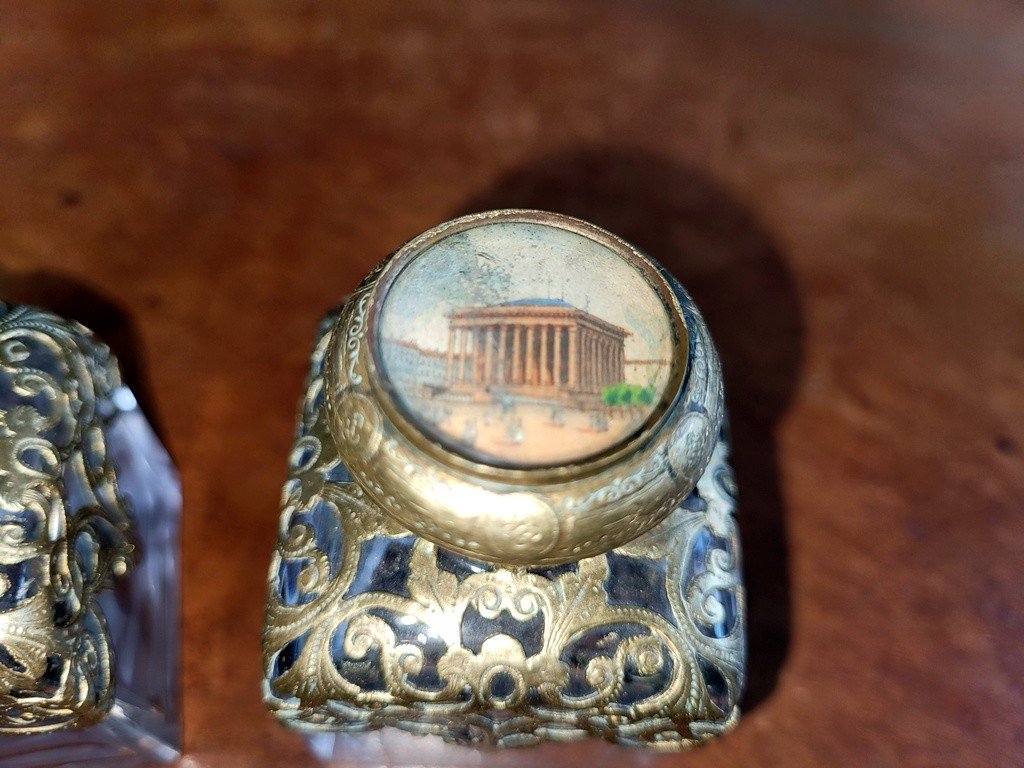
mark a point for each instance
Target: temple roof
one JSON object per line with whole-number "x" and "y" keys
{"x": 532, "y": 308}
{"x": 535, "y": 303}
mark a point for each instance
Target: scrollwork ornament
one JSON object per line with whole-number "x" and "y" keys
{"x": 57, "y": 549}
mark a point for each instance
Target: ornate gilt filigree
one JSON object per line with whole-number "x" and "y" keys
{"x": 63, "y": 527}
{"x": 370, "y": 625}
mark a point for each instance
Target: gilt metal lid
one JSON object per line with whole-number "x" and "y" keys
{"x": 523, "y": 387}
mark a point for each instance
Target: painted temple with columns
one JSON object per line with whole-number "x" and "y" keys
{"x": 544, "y": 349}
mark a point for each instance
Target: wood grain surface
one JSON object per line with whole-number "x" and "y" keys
{"x": 840, "y": 185}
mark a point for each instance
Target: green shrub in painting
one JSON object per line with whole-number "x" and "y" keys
{"x": 610, "y": 396}
{"x": 625, "y": 395}
{"x": 645, "y": 396}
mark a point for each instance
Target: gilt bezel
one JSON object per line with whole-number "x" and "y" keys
{"x": 500, "y": 513}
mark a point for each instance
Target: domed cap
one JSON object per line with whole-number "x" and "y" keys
{"x": 523, "y": 387}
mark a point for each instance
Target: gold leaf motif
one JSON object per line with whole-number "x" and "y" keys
{"x": 434, "y": 589}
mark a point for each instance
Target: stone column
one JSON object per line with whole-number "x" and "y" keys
{"x": 584, "y": 372}
{"x": 531, "y": 362}
{"x": 523, "y": 353}
{"x": 478, "y": 355}
{"x": 517, "y": 368}
{"x": 502, "y": 354}
{"x": 587, "y": 360}
{"x": 574, "y": 356}
{"x": 488, "y": 355}
{"x": 558, "y": 356}
{"x": 545, "y": 372}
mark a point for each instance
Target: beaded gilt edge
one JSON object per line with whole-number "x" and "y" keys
{"x": 63, "y": 527}
{"x": 311, "y": 617}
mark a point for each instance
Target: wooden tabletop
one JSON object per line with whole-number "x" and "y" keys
{"x": 840, "y": 188}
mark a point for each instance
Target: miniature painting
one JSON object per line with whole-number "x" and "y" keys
{"x": 525, "y": 344}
